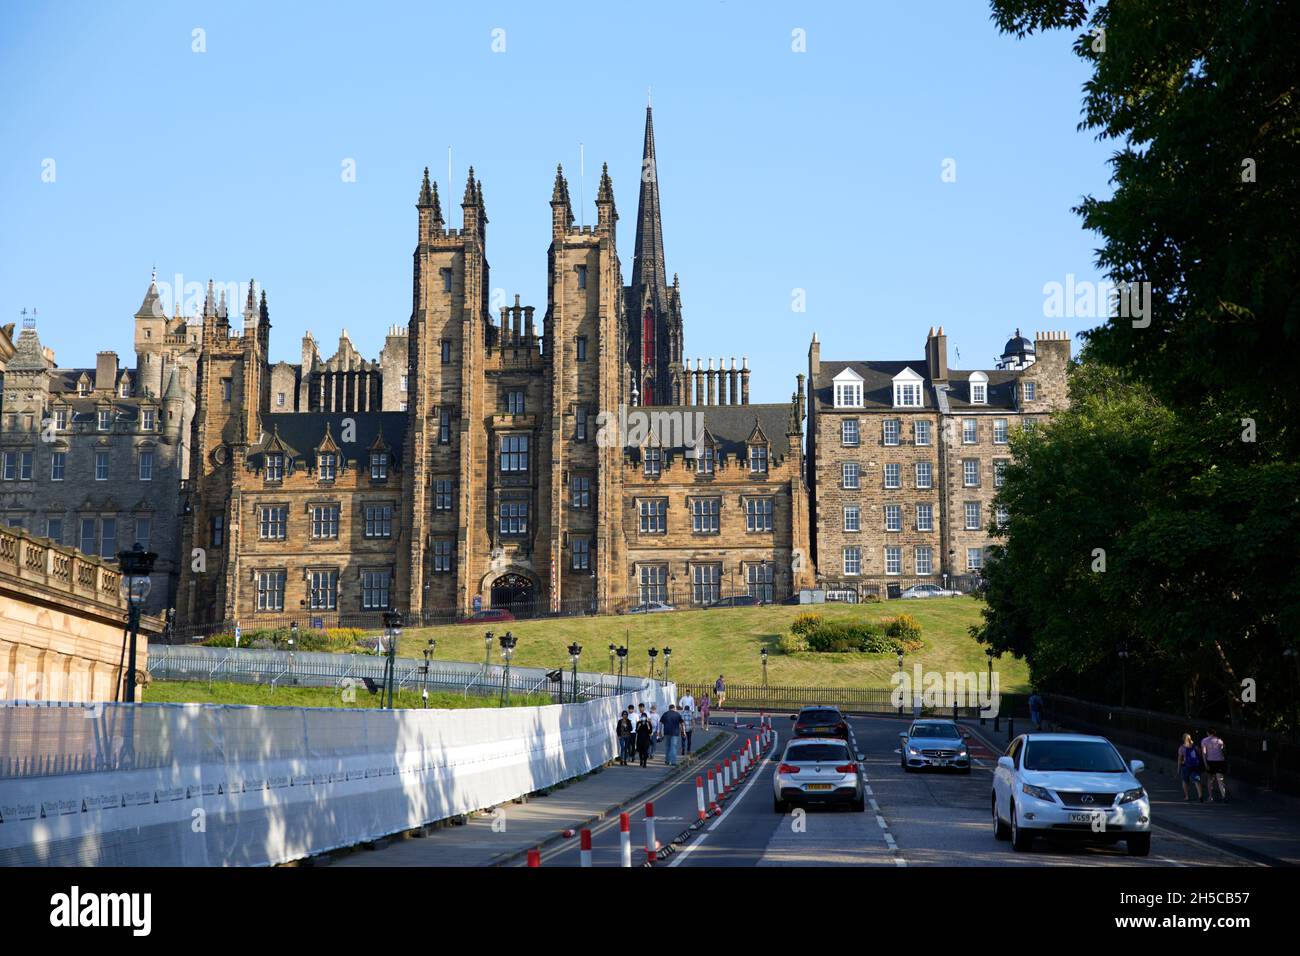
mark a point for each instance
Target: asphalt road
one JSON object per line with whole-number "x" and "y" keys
{"x": 925, "y": 818}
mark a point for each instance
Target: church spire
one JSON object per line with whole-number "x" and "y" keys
{"x": 648, "y": 270}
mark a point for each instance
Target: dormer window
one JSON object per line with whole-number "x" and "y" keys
{"x": 275, "y": 467}
{"x": 60, "y": 418}
{"x": 124, "y": 390}
{"x": 848, "y": 389}
{"x": 758, "y": 459}
{"x": 979, "y": 388}
{"x": 653, "y": 462}
{"x": 907, "y": 389}
{"x": 378, "y": 466}
{"x": 147, "y": 419}
{"x": 326, "y": 463}
{"x": 104, "y": 419}
{"x": 704, "y": 459}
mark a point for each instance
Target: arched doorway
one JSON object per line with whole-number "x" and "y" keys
{"x": 514, "y": 592}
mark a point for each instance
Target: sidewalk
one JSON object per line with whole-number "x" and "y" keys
{"x": 530, "y": 824}
{"x": 1260, "y": 825}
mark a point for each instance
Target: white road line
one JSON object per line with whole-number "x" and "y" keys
{"x": 735, "y": 802}
{"x": 874, "y": 806}
{"x": 881, "y": 820}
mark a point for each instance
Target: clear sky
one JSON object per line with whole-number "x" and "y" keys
{"x": 779, "y": 170}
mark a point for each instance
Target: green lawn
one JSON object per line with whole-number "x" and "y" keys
{"x": 706, "y": 643}
{"x": 219, "y": 692}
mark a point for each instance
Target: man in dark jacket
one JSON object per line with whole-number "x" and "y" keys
{"x": 623, "y": 730}
{"x": 670, "y": 725}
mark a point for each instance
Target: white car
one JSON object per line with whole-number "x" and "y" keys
{"x": 819, "y": 770}
{"x": 928, "y": 591}
{"x": 1069, "y": 785}
{"x": 650, "y": 607}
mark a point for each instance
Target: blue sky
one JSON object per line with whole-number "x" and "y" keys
{"x": 778, "y": 170}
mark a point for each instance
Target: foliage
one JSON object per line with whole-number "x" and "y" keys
{"x": 905, "y": 630}
{"x": 793, "y": 643}
{"x": 805, "y": 624}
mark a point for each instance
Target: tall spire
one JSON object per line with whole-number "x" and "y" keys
{"x": 648, "y": 270}
{"x": 426, "y": 193}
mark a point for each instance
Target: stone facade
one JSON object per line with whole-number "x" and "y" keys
{"x": 94, "y": 458}
{"x": 62, "y": 618}
{"x": 346, "y": 382}
{"x": 904, "y": 458}
{"x": 506, "y": 476}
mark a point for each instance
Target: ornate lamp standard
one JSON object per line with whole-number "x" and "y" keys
{"x": 668, "y": 655}
{"x": 136, "y": 565}
{"x": 575, "y": 651}
{"x": 428, "y": 656}
{"x": 654, "y": 653}
{"x": 763, "y": 654}
{"x": 508, "y": 642}
{"x": 392, "y": 633}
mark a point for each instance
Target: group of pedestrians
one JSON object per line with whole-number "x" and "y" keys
{"x": 640, "y": 729}
{"x": 1205, "y": 762}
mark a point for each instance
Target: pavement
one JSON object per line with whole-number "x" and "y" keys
{"x": 502, "y": 836}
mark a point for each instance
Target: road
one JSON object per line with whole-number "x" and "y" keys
{"x": 912, "y": 819}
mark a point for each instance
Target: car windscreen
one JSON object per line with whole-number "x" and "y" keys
{"x": 935, "y": 730}
{"x": 817, "y": 753}
{"x": 819, "y": 717}
{"x": 1084, "y": 756}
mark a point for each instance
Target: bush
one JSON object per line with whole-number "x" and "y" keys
{"x": 804, "y": 624}
{"x": 219, "y": 640}
{"x": 871, "y": 598}
{"x": 904, "y": 629}
{"x": 792, "y": 643}
{"x": 838, "y": 636}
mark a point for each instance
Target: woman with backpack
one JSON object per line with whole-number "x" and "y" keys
{"x": 1189, "y": 767}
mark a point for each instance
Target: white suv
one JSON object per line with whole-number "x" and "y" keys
{"x": 1069, "y": 785}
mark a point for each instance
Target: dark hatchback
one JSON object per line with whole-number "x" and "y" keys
{"x": 739, "y": 600}
{"x": 820, "y": 722}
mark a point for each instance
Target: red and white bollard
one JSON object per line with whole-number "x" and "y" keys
{"x": 651, "y": 844}
{"x": 699, "y": 795}
{"x": 726, "y": 776}
{"x": 713, "y": 798}
{"x": 585, "y": 852}
{"x": 625, "y": 838}
{"x": 534, "y": 857}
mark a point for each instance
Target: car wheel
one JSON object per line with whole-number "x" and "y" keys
{"x": 779, "y": 806}
{"x": 1000, "y": 831}
{"x": 1139, "y": 844}
{"x": 1021, "y": 840}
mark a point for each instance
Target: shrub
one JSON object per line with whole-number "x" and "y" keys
{"x": 871, "y": 598}
{"x": 905, "y": 629}
{"x": 792, "y": 643}
{"x": 804, "y": 624}
{"x": 219, "y": 640}
{"x": 838, "y": 636}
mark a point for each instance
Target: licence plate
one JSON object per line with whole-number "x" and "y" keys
{"x": 937, "y": 763}
{"x": 819, "y": 786}
{"x": 1082, "y": 817}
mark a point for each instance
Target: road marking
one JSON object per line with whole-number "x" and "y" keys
{"x": 874, "y": 806}
{"x": 735, "y": 802}
{"x": 883, "y": 825}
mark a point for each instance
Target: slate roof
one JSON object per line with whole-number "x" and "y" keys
{"x": 878, "y": 386}
{"x": 302, "y": 432}
{"x": 729, "y": 425}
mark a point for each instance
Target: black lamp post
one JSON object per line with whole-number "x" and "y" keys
{"x": 762, "y": 653}
{"x": 654, "y": 653}
{"x": 622, "y": 661}
{"x": 487, "y": 650}
{"x": 575, "y": 651}
{"x": 293, "y": 642}
{"x": 392, "y": 632}
{"x": 136, "y": 565}
{"x": 668, "y": 656}
{"x": 900, "y": 682}
{"x": 508, "y": 642}
{"x": 428, "y": 655}
{"x": 612, "y": 655}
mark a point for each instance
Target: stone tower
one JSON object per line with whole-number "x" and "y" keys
{"x": 654, "y": 312}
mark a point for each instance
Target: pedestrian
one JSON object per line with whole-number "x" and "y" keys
{"x": 624, "y": 730}
{"x": 704, "y": 710}
{"x": 654, "y": 727}
{"x": 1189, "y": 768}
{"x": 688, "y": 727}
{"x": 686, "y": 703}
{"x": 1215, "y": 765}
{"x": 720, "y": 691}
{"x": 1036, "y": 710}
{"x": 643, "y": 735}
{"x": 671, "y": 728}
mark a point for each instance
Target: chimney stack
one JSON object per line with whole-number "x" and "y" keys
{"x": 744, "y": 380}
{"x": 105, "y": 371}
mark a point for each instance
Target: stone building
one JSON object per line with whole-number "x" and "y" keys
{"x": 904, "y": 458}
{"x": 507, "y": 478}
{"x": 94, "y": 458}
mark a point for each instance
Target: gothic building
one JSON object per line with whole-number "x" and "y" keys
{"x": 561, "y": 462}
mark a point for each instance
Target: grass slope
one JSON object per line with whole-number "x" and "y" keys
{"x": 219, "y": 692}
{"x": 727, "y": 641}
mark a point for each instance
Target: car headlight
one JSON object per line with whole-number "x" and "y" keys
{"x": 913, "y": 752}
{"x": 1038, "y": 792}
{"x": 1128, "y": 796}
{"x": 962, "y": 753}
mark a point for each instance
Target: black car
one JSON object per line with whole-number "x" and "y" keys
{"x": 739, "y": 600}
{"x": 820, "y": 721}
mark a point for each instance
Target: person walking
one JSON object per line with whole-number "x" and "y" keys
{"x": 671, "y": 728}
{"x": 704, "y": 710}
{"x": 654, "y": 728}
{"x": 688, "y": 727}
{"x": 720, "y": 691}
{"x": 1036, "y": 710}
{"x": 624, "y": 730}
{"x": 643, "y": 735}
{"x": 686, "y": 703}
{"x": 1189, "y": 768}
{"x": 1216, "y": 766}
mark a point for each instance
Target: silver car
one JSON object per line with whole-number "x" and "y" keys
{"x": 933, "y": 743}
{"x": 818, "y": 770}
{"x": 928, "y": 591}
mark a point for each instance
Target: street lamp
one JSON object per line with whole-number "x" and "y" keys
{"x": 293, "y": 642}
{"x": 622, "y": 661}
{"x": 136, "y": 565}
{"x": 762, "y": 653}
{"x": 654, "y": 653}
{"x": 612, "y": 655}
{"x": 508, "y": 642}
{"x": 488, "y": 640}
{"x": 428, "y": 655}
{"x": 1122, "y": 654}
{"x": 392, "y": 632}
{"x": 668, "y": 653}
{"x": 575, "y": 651}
